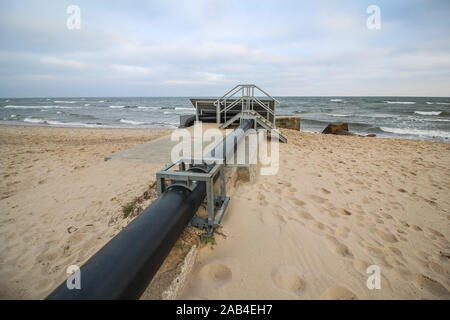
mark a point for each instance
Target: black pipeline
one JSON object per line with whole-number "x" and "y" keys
{"x": 124, "y": 267}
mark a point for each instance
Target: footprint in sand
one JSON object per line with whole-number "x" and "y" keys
{"x": 338, "y": 293}
{"x": 404, "y": 223}
{"x": 435, "y": 267}
{"x": 317, "y": 199}
{"x": 288, "y": 278}
{"x": 339, "y": 248}
{"x": 298, "y": 202}
{"x": 435, "y": 233}
{"x": 387, "y": 236}
{"x": 396, "y": 251}
{"x": 272, "y": 218}
{"x": 345, "y": 212}
{"x": 375, "y": 252}
{"x": 403, "y": 273}
{"x": 216, "y": 273}
{"x": 360, "y": 265}
{"x": 317, "y": 225}
{"x": 435, "y": 287}
{"x": 304, "y": 215}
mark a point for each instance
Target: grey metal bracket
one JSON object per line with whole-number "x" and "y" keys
{"x": 190, "y": 172}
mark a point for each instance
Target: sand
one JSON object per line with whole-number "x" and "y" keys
{"x": 61, "y": 202}
{"x": 337, "y": 205}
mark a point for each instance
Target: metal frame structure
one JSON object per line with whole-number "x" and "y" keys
{"x": 197, "y": 114}
{"x": 187, "y": 176}
{"x": 247, "y": 100}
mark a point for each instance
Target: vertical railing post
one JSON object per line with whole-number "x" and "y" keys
{"x": 218, "y": 112}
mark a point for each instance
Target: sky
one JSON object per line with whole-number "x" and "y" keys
{"x": 203, "y": 48}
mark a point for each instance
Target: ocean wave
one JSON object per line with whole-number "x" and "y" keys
{"x": 76, "y": 124}
{"x": 400, "y": 102}
{"x": 149, "y": 108}
{"x": 338, "y": 115}
{"x": 33, "y": 120}
{"x": 442, "y": 103}
{"x": 336, "y": 100}
{"x": 182, "y": 108}
{"x": 134, "y": 123}
{"x": 123, "y": 107}
{"x": 428, "y": 113}
{"x": 63, "y": 101}
{"x": 420, "y": 132}
{"x": 64, "y": 124}
{"x": 437, "y": 120}
{"x": 37, "y": 107}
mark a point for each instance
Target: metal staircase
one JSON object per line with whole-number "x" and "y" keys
{"x": 248, "y": 102}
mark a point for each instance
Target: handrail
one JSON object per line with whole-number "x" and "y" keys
{"x": 266, "y": 94}
{"x": 263, "y": 105}
{"x": 226, "y": 108}
{"x": 226, "y": 94}
{"x": 249, "y": 95}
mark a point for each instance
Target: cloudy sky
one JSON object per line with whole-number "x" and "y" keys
{"x": 195, "y": 47}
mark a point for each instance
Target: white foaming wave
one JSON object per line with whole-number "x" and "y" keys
{"x": 336, "y": 100}
{"x": 428, "y": 113}
{"x": 400, "y": 102}
{"x": 75, "y": 124}
{"x": 149, "y": 108}
{"x": 37, "y": 107}
{"x": 64, "y": 124}
{"x": 338, "y": 115}
{"x": 87, "y": 104}
{"x": 134, "y": 123}
{"x": 420, "y": 132}
{"x": 117, "y": 107}
{"x": 63, "y": 101}
{"x": 13, "y": 116}
{"x": 33, "y": 120}
{"x": 437, "y": 120}
{"x": 181, "y": 108}
{"x": 442, "y": 103}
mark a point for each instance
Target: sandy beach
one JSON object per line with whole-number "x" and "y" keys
{"x": 337, "y": 205}
{"x": 61, "y": 202}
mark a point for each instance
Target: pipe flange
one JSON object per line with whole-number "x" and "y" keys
{"x": 183, "y": 186}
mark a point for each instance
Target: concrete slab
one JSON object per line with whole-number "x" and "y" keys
{"x": 159, "y": 150}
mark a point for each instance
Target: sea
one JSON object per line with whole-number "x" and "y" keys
{"x": 423, "y": 118}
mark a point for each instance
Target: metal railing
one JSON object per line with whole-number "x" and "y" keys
{"x": 247, "y": 101}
